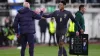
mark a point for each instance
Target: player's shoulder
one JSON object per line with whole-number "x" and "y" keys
{"x": 56, "y": 11}
{"x": 66, "y": 11}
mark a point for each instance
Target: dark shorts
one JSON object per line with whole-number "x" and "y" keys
{"x": 61, "y": 32}
{"x": 60, "y": 35}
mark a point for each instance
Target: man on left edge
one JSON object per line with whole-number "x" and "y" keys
{"x": 25, "y": 19}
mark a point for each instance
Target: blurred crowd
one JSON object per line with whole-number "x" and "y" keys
{"x": 67, "y": 1}
{"x": 9, "y": 38}
{"x": 6, "y": 32}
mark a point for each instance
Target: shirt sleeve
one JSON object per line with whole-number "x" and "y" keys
{"x": 80, "y": 19}
{"x": 74, "y": 20}
{"x": 49, "y": 15}
{"x": 36, "y": 16}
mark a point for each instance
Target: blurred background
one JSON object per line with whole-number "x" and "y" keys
{"x": 9, "y": 8}
{"x": 8, "y": 11}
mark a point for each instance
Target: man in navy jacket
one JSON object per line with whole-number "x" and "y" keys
{"x": 25, "y": 18}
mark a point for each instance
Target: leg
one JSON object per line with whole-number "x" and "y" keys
{"x": 54, "y": 39}
{"x": 64, "y": 39}
{"x": 41, "y": 38}
{"x": 44, "y": 37}
{"x": 61, "y": 47}
{"x": 57, "y": 38}
{"x": 31, "y": 44}
{"x": 50, "y": 39}
{"x": 62, "y": 50}
{"x": 23, "y": 44}
{"x": 60, "y": 41}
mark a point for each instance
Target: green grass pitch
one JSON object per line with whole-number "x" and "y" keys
{"x": 94, "y": 50}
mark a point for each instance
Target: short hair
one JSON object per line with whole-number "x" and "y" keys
{"x": 52, "y": 18}
{"x": 64, "y": 2}
{"x": 81, "y": 6}
{"x": 26, "y": 4}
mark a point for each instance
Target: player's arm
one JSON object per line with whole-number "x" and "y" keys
{"x": 16, "y": 22}
{"x": 78, "y": 17}
{"x": 49, "y": 15}
{"x": 36, "y": 16}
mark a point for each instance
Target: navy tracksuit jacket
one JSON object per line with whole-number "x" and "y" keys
{"x": 25, "y": 19}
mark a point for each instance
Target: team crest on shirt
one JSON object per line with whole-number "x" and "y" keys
{"x": 65, "y": 15}
{"x": 60, "y": 19}
{"x": 57, "y": 14}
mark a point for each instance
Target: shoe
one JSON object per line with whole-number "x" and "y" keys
{"x": 19, "y": 47}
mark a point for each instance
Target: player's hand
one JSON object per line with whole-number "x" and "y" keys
{"x": 41, "y": 13}
{"x": 82, "y": 32}
{"x": 77, "y": 33}
{"x": 43, "y": 18}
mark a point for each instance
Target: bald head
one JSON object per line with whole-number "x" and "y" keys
{"x": 26, "y": 4}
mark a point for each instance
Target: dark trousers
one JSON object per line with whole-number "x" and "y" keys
{"x": 42, "y": 33}
{"x": 30, "y": 39}
{"x": 52, "y": 35}
{"x": 60, "y": 35}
